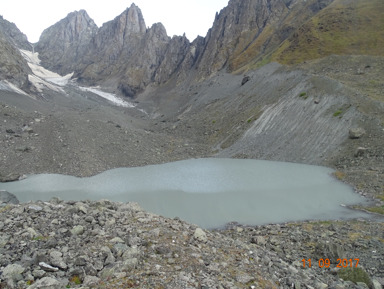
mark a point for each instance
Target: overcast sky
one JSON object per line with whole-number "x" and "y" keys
{"x": 194, "y": 17}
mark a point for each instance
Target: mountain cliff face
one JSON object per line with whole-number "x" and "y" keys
{"x": 13, "y": 67}
{"x": 239, "y": 20}
{"x": 130, "y": 56}
{"x": 64, "y": 44}
{"x": 14, "y": 35}
{"x": 126, "y": 56}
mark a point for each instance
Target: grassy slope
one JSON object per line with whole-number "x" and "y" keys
{"x": 344, "y": 27}
{"x": 253, "y": 50}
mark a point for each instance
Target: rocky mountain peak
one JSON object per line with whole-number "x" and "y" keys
{"x": 133, "y": 20}
{"x": 61, "y": 45}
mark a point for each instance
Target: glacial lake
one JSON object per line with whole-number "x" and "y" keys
{"x": 209, "y": 192}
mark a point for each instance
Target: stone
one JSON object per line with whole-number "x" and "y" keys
{"x": 9, "y": 178}
{"x": 119, "y": 249}
{"x": 13, "y": 273}
{"x": 47, "y": 283}
{"x": 32, "y": 233}
{"x": 320, "y": 285}
{"x": 244, "y": 278}
{"x": 8, "y": 198}
{"x": 91, "y": 281}
{"x": 259, "y": 240}
{"x": 4, "y": 238}
{"x": 360, "y": 151}
{"x": 107, "y": 255}
{"x": 48, "y": 268}
{"x": 117, "y": 240}
{"x": 130, "y": 264}
{"x": 245, "y": 80}
{"x": 77, "y": 230}
{"x": 362, "y": 285}
{"x": 376, "y": 284}
{"x": 57, "y": 260}
{"x": 131, "y": 253}
{"x": 28, "y": 129}
{"x": 200, "y": 235}
{"x": 356, "y": 133}
{"x": 38, "y": 273}
{"x": 107, "y": 272}
{"x": 35, "y": 208}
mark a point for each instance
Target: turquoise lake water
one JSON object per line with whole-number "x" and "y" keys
{"x": 209, "y": 192}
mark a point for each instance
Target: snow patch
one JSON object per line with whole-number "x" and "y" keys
{"x": 41, "y": 84}
{"x": 43, "y": 78}
{"x": 109, "y": 96}
{"x": 6, "y": 85}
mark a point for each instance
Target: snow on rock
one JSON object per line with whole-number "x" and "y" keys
{"x": 6, "y": 85}
{"x": 44, "y": 78}
{"x": 109, "y": 96}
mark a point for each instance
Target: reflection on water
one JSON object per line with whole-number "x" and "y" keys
{"x": 208, "y": 192}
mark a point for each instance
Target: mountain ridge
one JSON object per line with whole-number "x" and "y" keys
{"x": 110, "y": 56}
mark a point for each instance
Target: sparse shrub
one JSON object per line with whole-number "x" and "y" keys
{"x": 303, "y": 95}
{"x": 338, "y": 113}
{"x": 378, "y": 210}
{"x": 76, "y": 280}
{"x": 339, "y": 175}
{"x": 355, "y": 275}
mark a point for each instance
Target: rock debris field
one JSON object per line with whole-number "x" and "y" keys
{"x": 102, "y": 244}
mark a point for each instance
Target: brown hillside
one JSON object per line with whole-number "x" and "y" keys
{"x": 345, "y": 27}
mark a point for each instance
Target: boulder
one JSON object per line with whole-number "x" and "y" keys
{"x": 9, "y": 178}
{"x": 200, "y": 235}
{"x": 13, "y": 273}
{"x": 360, "y": 151}
{"x": 8, "y": 198}
{"x": 356, "y": 133}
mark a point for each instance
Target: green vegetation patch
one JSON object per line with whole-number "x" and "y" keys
{"x": 338, "y": 113}
{"x": 377, "y": 210}
{"x": 303, "y": 95}
{"x": 355, "y": 275}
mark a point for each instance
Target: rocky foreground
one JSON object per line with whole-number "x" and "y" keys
{"x": 102, "y": 244}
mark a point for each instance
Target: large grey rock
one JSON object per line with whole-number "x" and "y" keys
{"x": 77, "y": 230}
{"x": 8, "y": 198}
{"x": 200, "y": 235}
{"x": 356, "y": 133}
{"x": 91, "y": 281}
{"x": 376, "y": 284}
{"x": 13, "y": 273}
{"x": 9, "y": 177}
{"x": 57, "y": 260}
